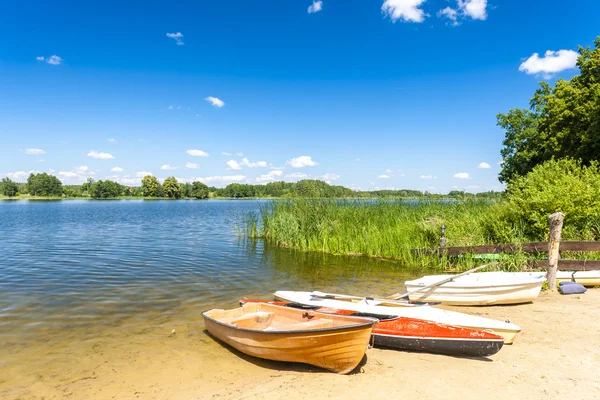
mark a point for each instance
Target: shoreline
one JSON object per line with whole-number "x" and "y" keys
{"x": 553, "y": 357}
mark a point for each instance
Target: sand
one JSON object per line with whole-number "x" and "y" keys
{"x": 556, "y": 356}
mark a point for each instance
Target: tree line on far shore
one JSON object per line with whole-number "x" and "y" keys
{"x": 47, "y": 185}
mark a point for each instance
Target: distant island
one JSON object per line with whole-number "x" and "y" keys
{"x": 47, "y": 186}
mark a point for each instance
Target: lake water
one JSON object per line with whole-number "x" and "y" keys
{"x": 72, "y": 271}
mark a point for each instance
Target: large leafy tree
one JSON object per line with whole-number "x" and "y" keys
{"x": 9, "y": 188}
{"x": 171, "y": 188}
{"x": 199, "y": 190}
{"x": 44, "y": 185}
{"x": 105, "y": 189}
{"x": 563, "y": 121}
{"x": 151, "y": 186}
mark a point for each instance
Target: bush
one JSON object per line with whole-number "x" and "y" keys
{"x": 557, "y": 185}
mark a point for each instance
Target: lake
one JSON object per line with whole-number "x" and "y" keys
{"x": 76, "y": 272}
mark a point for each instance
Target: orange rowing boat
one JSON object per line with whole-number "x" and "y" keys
{"x": 333, "y": 342}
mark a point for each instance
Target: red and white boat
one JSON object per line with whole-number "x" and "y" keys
{"x": 411, "y": 334}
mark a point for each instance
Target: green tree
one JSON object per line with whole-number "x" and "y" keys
{"x": 9, "y": 188}
{"x": 44, "y": 185}
{"x": 563, "y": 121}
{"x": 105, "y": 189}
{"x": 171, "y": 188}
{"x": 151, "y": 187}
{"x": 199, "y": 190}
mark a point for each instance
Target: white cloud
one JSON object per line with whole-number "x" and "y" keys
{"x": 473, "y": 8}
{"x": 233, "y": 165}
{"x": 404, "y": 10}
{"x": 461, "y": 175}
{"x": 551, "y": 63}
{"x": 112, "y": 140}
{"x": 239, "y": 154}
{"x": 54, "y": 60}
{"x": 449, "y": 13}
{"x": 215, "y": 101}
{"x": 177, "y": 37}
{"x": 270, "y": 177}
{"x": 301, "y": 162}
{"x": 249, "y": 164}
{"x": 34, "y": 152}
{"x": 142, "y": 174}
{"x": 197, "y": 153}
{"x": 383, "y": 177}
{"x": 40, "y": 58}
{"x": 82, "y": 169}
{"x": 170, "y": 107}
{"x": 20, "y": 176}
{"x": 168, "y": 167}
{"x": 221, "y": 179}
{"x": 100, "y": 155}
{"x": 67, "y": 174}
{"x": 315, "y": 7}
{"x": 388, "y": 171}
{"x": 224, "y": 153}
{"x": 296, "y": 175}
{"x": 330, "y": 177}
{"x": 484, "y": 165}
{"x": 427, "y": 177}
{"x": 191, "y": 165}
{"x": 126, "y": 180}
{"x": 117, "y": 169}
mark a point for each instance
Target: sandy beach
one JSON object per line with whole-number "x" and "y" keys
{"x": 556, "y": 355}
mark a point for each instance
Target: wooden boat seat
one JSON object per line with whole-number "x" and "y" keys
{"x": 258, "y": 320}
{"x": 300, "y": 326}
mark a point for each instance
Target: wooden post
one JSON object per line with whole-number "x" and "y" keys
{"x": 556, "y": 223}
{"x": 443, "y": 240}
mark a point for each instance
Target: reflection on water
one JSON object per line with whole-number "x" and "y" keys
{"x": 88, "y": 270}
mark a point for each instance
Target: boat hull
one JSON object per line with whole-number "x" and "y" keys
{"x": 585, "y": 278}
{"x": 451, "y": 347}
{"x": 339, "y": 350}
{"x": 506, "y": 330}
{"x": 478, "y": 289}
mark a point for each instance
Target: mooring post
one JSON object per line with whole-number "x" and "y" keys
{"x": 443, "y": 240}
{"x": 556, "y": 223}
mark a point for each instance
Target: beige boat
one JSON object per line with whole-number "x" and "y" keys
{"x": 332, "y": 342}
{"x": 586, "y": 278}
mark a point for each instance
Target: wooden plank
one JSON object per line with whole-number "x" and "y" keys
{"x": 527, "y": 247}
{"x": 571, "y": 265}
{"x": 579, "y": 246}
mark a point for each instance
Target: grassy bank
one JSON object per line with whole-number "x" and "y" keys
{"x": 387, "y": 229}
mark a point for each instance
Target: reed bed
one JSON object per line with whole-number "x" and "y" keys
{"x": 386, "y": 229}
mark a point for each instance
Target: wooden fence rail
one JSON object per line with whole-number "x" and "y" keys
{"x": 509, "y": 248}
{"x": 553, "y": 247}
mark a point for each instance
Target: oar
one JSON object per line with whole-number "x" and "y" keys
{"x": 398, "y": 296}
{"x": 356, "y": 299}
{"x": 333, "y": 296}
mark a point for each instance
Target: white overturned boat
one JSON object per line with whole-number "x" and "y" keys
{"x": 585, "y": 278}
{"x": 390, "y": 308}
{"x": 478, "y": 289}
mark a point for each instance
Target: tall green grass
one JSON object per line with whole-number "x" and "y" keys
{"x": 387, "y": 229}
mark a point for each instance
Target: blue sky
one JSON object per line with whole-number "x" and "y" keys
{"x": 365, "y": 94}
